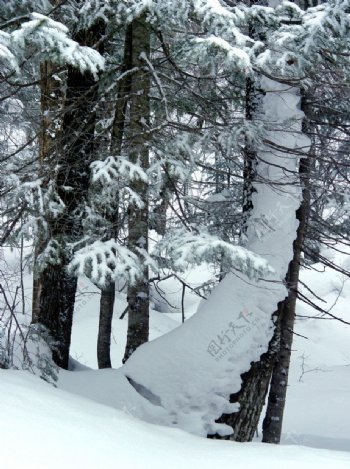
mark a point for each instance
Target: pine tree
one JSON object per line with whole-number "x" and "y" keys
{"x": 56, "y": 287}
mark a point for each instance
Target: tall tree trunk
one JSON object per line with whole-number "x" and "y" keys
{"x": 255, "y": 382}
{"x": 56, "y": 288}
{"x": 272, "y": 424}
{"x": 108, "y": 293}
{"x": 138, "y": 294}
{"x": 51, "y": 103}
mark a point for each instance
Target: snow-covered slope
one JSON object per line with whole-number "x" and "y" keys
{"x": 47, "y": 428}
{"x": 317, "y": 411}
{"x": 89, "y": 420}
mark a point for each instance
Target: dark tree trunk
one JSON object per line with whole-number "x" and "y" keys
{"x": 105, "y": 326}
{"x": 275, "y": 361}
{"x": 51, "y": 103}
{"x": 55, "y": 310}
{"x": 138, "y": 294}
{"x": 55, "y": 287}
{"x": 272, "y": 425}
{"x": 251, "y": 398}
{"x": 252, "y": 103}
{"x": 108, "y": 294}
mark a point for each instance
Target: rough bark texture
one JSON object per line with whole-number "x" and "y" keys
{"x": 138, "y": 294}
{"x": 105, "y": 326}
{"x": 159, "y": 216}
{"x": 249, "y": 155}
{"x": 51, "y": 103}
{"x": 55, "y": 288}
{"x": 251, "y": 398}
{"x": 108, "y": 293}
{"x": 272, "y": 425}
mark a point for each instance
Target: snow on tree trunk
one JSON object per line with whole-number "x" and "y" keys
{"x": 272, "y": 425}
{"x": 195, "y": 368}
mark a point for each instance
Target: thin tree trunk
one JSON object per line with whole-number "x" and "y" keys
{"x": 272, "y": 424}
{"x": 249, "y": 156}
{"x": 55, "y": 287}
{"x": 108, "y": 294}
{"x": 138, "y": 294}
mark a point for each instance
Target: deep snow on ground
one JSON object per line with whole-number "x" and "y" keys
{"x": 318, "y": 408}
{"x": 87, "y": 422}
{"x": 43, "y": 427}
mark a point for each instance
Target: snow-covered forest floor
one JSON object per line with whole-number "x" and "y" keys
{"x": 88, "y": 421}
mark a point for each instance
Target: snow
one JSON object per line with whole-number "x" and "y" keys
{"x": 106, "y": 260}
{"x": 43, "y": 427}
{"x": 50, "y": 38}
{"x": 317, "y": 410}
{"x": 192, "y": 370}
{"x": 89, "y": 420}
{"x": 193, "y": 379}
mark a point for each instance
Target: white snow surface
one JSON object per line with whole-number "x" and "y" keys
{"x": 89, "y": 420}
{"x": 47, "y": 428}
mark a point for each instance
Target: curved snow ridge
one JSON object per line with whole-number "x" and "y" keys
{"x": 193, "y": 369}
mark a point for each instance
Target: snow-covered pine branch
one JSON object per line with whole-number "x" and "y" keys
{"x": 119, "y": 171}
{"x": 234, "y": 57}
{"x": 184, "y": 249}
{"x": 106, "y": 261}
{"x": 113, "y": 168}
{"x": 304, "y": 38}
{"x": 50, "y": 39}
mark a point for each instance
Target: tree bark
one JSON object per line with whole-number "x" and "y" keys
{"x": 138, "y": 294}
{"x": 108, "y": 294}
{"x": 105, "y": 326}
{"x": 51, "y": 103}
{"x": 54, "y": 287}
{"x": 255, "y": 382}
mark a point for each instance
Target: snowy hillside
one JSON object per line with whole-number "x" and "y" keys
{"x": 89, "y": 421}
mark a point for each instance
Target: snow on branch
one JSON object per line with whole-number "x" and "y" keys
{"x": 305, "y": 38}
{"x": 185, "y": 248}
{"x": 221, "y": 20}
{"x": 112, "y": 168}
{"x": 5, "y": 53}
{"x": 50, "y": 39}
{"x": 106, "y": 261}
{"x": 234, "y": 56}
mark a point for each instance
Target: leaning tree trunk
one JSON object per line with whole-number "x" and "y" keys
{"x": 272, "y": 424}
{"x": 55, "y": 287}
{"x": 138, "y": 136}
{"x": 108, "y": 293}
{"x": 255, "y": 382}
